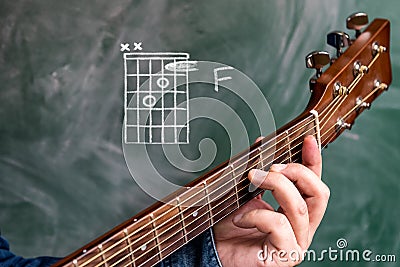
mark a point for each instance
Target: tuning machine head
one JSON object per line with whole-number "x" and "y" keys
{"x": 317, "y": 60}
{"x": 338, "y": 40}
{"x": 357, "y": 22}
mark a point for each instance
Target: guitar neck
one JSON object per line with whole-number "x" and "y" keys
{"x": 158, "y": 231}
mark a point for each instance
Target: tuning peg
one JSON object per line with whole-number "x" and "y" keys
{"x": 360, "y": 103}
{"x": 317, "y": 60}
{"x": 356, "y": 22}
{"x": 338, "y": 40}
{"x": 341, "y": 124}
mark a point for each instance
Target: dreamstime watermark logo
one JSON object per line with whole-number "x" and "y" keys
{"x": 339, "y": 254}
{"x": 160, "y": 108}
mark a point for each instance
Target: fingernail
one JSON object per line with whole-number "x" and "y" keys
{"x": 237, "y": 218}
{"x": 278, "y": 167}
{"x": 257, "y": 177}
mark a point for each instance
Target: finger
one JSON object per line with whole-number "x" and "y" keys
{"x": 225, "y": 228}
{"x": 275, "y": 224}
{"x": 290, "y": 200}
{"x": 315, "y": 191}
{"x": 311, "y": 156}
{"x": 304, "y": 178}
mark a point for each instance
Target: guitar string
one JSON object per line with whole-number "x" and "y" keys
{"x": 330, "y": 128}
{"x": 351, "y": 85}
{"x": 200, "y": 192}
{"x": 333, "y": 134}
{"x": 331, "y": 103}
{"x": 202, "y": 223}
{"x": 181, "y": 212}
{"x": 181, "y": 221}
{"x": 231, "y": 171}
{"x": 341, "y": 98}
{"x": 353, "y": 109}
{"x": 214, "y": 215}
{"x": 159, "y": 253}
{"x": 102, "y": 252}
{"x": 340, "y": 102}
{"x": 209, "y": 220}
{"x": 354, "y": 83}
{"x": 226, "y": 191}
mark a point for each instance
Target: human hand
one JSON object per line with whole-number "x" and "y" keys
{"x": 257, "y": 229}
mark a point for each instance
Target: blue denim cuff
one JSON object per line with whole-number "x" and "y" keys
{"x": 201, "y": 251}
{"x": 8, "y": 259}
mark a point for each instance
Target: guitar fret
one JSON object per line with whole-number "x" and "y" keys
{"x": 223, "y": 194}
{"x": 143, "y": 238}
{"x": 244, "y": 196}
{"x": 208, "y": 203}
{"x": 261, "y": 161}
{"x": 296, "y": 153}
{"x": 182, "y": 219}
{"x": 281, "y": 151}
{"x": 316, "y": 123}
{"x": 100, "y": 248}
{"x": 235, "y": 185}
{"x": 297, "y": 134}
{"x": 157, "y": 240}
{"x": 196, "y": 212}
{"x": 130, "y": 252}
{"x": 267, "y": 154}
{"x": 288, "y": 145}
{"x": 168, "y": 228}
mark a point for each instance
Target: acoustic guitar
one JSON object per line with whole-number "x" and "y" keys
{"x": 358, "y": 74}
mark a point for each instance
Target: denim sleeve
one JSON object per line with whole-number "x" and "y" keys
{"x": 200, "y": 252}
{"x": 8, "y": 259}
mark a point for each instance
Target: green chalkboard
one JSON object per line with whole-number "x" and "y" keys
{"x": 63, "y": 177}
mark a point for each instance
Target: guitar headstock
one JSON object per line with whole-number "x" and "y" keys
{"x": 354, "y": 79}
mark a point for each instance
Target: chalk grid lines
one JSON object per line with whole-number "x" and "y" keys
{"x": 156, "y": 100}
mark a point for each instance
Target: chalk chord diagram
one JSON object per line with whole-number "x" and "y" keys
{"x": 156, "y": 100}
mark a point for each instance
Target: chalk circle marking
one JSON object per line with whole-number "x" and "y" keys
{"x": 149, "y": 101}
{"x": 162, "y": 82}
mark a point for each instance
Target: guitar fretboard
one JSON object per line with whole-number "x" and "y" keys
{"x": 165, "y": 227}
